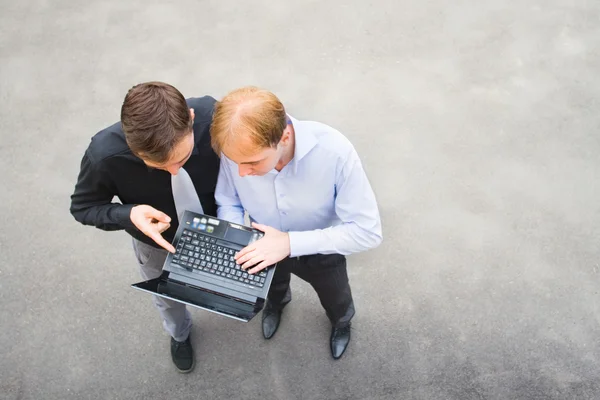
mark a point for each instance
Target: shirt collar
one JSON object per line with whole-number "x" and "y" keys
{"x": 305, "y": 140}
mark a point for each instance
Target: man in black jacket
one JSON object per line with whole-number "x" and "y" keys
{"x": 156, "y": 155}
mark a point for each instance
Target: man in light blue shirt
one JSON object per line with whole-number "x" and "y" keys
{"x": 303, "y": 184}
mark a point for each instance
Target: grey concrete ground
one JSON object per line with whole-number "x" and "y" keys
{"x": 478, "y": 125}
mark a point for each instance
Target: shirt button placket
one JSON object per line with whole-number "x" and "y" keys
{"x": 279, "y": 199}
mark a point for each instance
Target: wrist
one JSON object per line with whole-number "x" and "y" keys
{"x": 124, "y": 215}
{"x": 132, "y": 210}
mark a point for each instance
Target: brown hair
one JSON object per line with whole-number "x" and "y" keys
{"x": 154, "y": 117}
{"x": 250, "y": 111}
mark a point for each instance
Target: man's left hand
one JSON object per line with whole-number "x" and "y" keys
{"x": 273, "y": 247}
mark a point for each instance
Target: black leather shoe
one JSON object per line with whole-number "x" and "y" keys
{"x": 340, "y": 337}
{"x": 182, "y": 355}
{"x": 270, "y": 321}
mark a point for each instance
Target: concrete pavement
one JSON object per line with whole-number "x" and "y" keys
{"x": 477, "y": 122}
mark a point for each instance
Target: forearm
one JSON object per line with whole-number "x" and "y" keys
{"x": 343, "y": 239}
{"x": 108, "y": 217}
{"x": 231, "y": 213}
{"x": 356, "y": 207}
{"x": 91, "y": 202}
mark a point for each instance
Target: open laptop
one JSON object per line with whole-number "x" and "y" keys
{"x": 202, "y": 273}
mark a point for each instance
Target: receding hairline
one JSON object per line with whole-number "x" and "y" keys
{"x": 241, "y": 111}
{"x": 247, "y": 110}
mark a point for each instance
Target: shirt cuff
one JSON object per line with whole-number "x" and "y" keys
{"x": 122, "y": 215}
{"x": 303, "y": 243}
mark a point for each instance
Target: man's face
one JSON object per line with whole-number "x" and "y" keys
{"x": 258, "y": 162}
{"x": 177, "y": 157}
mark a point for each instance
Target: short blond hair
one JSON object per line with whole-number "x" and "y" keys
{"x": 248, "y": 111}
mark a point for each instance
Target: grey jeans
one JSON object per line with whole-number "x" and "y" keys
{"x": 177, "y": 320}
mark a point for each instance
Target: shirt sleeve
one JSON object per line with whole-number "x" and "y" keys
{"x": 356, "y": 207}
{"x": 92, "y": 201}
{"x": 229, "y": 206}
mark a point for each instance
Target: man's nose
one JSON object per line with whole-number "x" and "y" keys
{"x": 244, "y": 170}
{"x": 174, "y": 169}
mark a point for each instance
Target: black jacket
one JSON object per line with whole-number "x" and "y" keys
{"x": 110, "y": 169}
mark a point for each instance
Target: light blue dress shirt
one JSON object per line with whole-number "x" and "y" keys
{"x": 322, "y": 197}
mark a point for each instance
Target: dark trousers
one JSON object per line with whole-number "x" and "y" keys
{"x": 327, "y": 274}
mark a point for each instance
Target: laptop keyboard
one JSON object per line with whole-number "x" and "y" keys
{"x": 200, "y": 252}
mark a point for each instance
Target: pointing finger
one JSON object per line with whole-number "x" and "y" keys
{"x": 161, "y": 241}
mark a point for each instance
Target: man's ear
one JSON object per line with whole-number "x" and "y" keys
{"x": 192, "y": 113}
{"x": 286, "y": 136}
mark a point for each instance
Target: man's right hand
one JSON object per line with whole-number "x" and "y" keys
{"x": 152, "y": 223}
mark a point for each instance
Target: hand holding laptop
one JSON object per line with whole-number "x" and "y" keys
{"x": 270, "y": 249}
{"x": 152, "y": 223}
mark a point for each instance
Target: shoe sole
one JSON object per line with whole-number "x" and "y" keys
{"x": 187, "y": 371}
